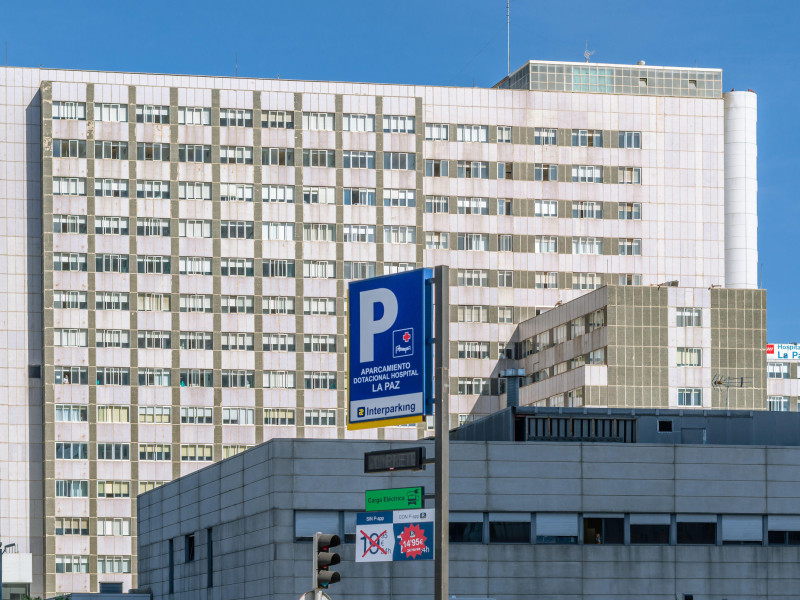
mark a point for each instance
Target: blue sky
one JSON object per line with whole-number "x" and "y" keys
{"x": 456, "y": 43}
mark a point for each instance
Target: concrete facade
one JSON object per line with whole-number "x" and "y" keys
{"x": 256, "y": 505}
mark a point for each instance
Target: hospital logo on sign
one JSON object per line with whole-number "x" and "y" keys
{"x": 402, "y": 343}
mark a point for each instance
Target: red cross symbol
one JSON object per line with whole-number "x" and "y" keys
{"x": 373, "y": 543}
{"x": 406, "y": 336}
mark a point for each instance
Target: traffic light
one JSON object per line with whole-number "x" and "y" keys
{"x": 324, "y": 558}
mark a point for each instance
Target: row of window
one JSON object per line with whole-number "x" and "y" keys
{"x": 66, "y": 563}
{"x": 77, "y": 413}
{"x": 80, "y": 526}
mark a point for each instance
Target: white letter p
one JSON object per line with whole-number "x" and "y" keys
{"x": 369, "y": 327}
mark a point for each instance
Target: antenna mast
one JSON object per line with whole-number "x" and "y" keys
{"x": 586, "y": 53}
{"x": 508, "y": 33}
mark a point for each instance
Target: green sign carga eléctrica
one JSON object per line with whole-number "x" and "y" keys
{"x": 394, "y": 499}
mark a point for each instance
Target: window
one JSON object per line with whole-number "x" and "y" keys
{"x": 72, "y": 488}
{"x": 196, "y": 415}
{"x": 111, "y": 188}
{"x": 279, "y": 416}
{"x": 194, "y": 190}
{"x": 111, "y": 225}
{"x": 505, "y": 243}
{"x": 630, "y": 211}
{"x": 107, "y": 451}
{"x": 153, "y": 264}
{"x": 71, "y": 375}
{"x": 356, "y": 159}
{"x": 472, "y": 386}
{"x": 587, "y": 174}
{"x": 629, "y": 279}
{"x": 400, "y": 234}
{"x": 588, "y": 245}
{"x": 196, "y": 153}
{"x": 277, "y": 119}
{"x": 113, "y": 526}
{"x": 317, "y": 121}
{"x": 437, "y": 204}
{"x": 505, "y": 314}
{"x": 112, "y": 338}
{"x": 69, "y": 149}
{"x": 472, "y": 314}
{"x": 597, "y": 319}
{"x": 240, "y": 155}
{"x": 778, "y": 403}
{"x": 72, "y": 526}
{"x": 154, "y": 339}
{"x": 473, "y": 241}
{"x": 72, "y": 451}
{"x": 437, "y": 168}
{"x": 632, "y": 175}
{"x": 505, "y": 170}
{"x": 228, "y": 451}
{"x": 278, "y": 342}
{"x": 319, "y": 306}
{"x": 697, "y": 529}
{"x": 196, "y": 453}
{"x": 546, "y": 208}
{"x": 69, "y": 224}
{"x": 473, "y": 349}
{"x": 690, "y": 397}
{"x": 783, "y": 530}
{"x": 504, "y": 206}
{"x": 649, "y": 529}
{"x": 603, "y": 530}
{"x": 437, "y": 131}
{"x": 390, "y": 268}
{"x": 111, "y": 150}
{"x": 319, "y": 343}
{"x": 197, "y": 378}
{"x": 69, "y": 261}
{"x": 319, "y": 269}
{"x": 472, "y": 133}
{"x": 545, "y": 243}
{"x": 630, "y": 139}
{"x": 75, "y": 111}
{"x": 278, "y": 231}
{"x": 113, "y": 376}
{"x": 545, "y": 136}
{"x": 109, "y": 301}
{"x": 113, "y": 489}
{"x": 236, "y": 192}
{"x": 319, "y": 232}
{"x": 587, "y": 210}
{"x": 233, "y": 117}
{"x": 359, "y": 197}
{"x": 238, "y": 416}
{"x": 587, "y": 137}
{"x": 236, "y": 230}
{"x": 117, "y": 113}
{"x": 155, "y": 414}
{"x": 358, "y": 233}
{"x": 586, "y": 281}
{"x": 153, "y": 302}
{"x": 69, "y": 186}
{"x": 189, "y": 115}
{"x": 544, "y": 280}
{"x": 319, "y": 380}
{"x": 196, "y": 340}
{"x": 152, "y": 151}
{"x": 237, "y": 305}
{"x": 630, "y": 247}
{"x": 688, "y": 317}
{"x": 274, "y": 267}
{"x": 237, "y": 378}
{"x": 71, "y": 413}
{"x": 398, "y": 124}
{"x": 503, "y": 134}
{"x": 236, "y": 267}
{"x": 152, "y": 114}
{"x": 152, "y": 189}
{"x": 152, "y": 227}
{"x": 403, "y": 161}
{"x": 322, "y": 417}
{"x": 473, "y": 278}
{"x": 473, "y": 206}
{"x": 279, "y": 379}
{"x": 472, "y": 170}
{"x": 155, "y": 377}
{"x": 283, "y": 156}
{"x": 76, "y": 338}
{"x": 509, "y": 528}
{"x": 358, "y": 270}
{"x": 72, "y": 564}
{"x": 777, "y": 370}
{"x": 358, "y": 122}
{"x": 556, "y": 528}
{"x": 543, "y": 172}
{"x": 277, "y": 305}
{"x": 398, "y": 198}
{"x": 113, "y": 414}
{"x": 318, "y": 195}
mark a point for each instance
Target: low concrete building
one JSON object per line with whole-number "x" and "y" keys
{"x": 553, "y": 520}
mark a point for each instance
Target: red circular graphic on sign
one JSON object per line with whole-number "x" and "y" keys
{"x": 412, "y": 541}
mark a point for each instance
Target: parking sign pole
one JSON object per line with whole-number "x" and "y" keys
{"x": 442, "y": 422}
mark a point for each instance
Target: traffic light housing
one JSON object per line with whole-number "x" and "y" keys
{"x": 324, "y": 558}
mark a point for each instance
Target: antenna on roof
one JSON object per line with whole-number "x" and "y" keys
{"x": 236, "y": 68}
{"x": 586, "y": 53}
{"x": 508, "y": 33}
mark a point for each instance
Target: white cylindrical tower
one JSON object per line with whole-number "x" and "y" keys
{"x": 741, "y": 190}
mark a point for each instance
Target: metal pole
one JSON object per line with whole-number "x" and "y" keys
{"x": 2, "y": 552}
{"x": 441, "y": 301}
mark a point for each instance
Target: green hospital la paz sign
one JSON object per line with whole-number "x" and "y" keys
{"x": 394, "y": 499}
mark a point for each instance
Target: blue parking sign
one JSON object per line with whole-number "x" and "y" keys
{"x": 390, "y": 359}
